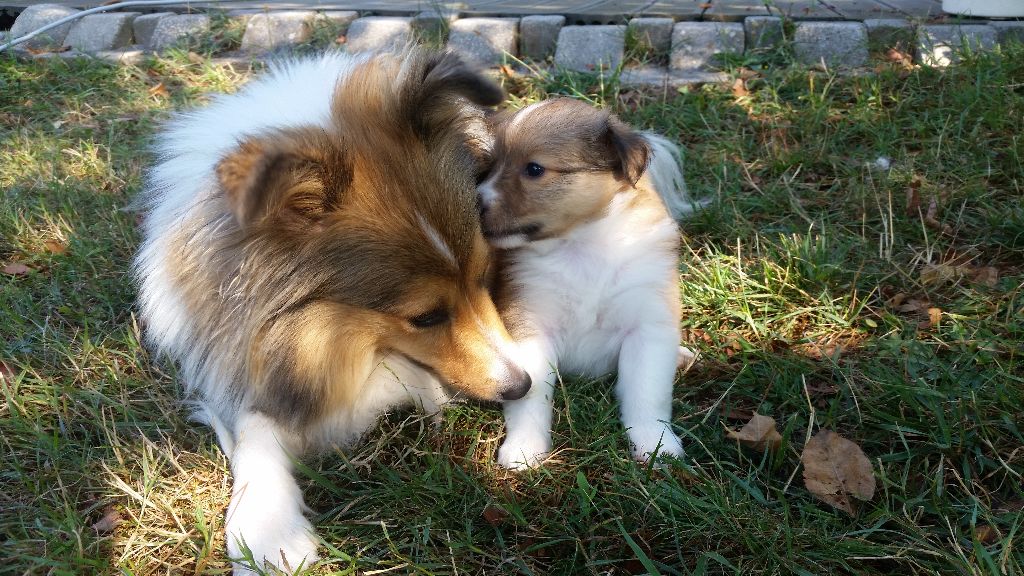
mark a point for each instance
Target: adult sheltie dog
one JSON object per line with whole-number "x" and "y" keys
{"x": 312, "y": 256}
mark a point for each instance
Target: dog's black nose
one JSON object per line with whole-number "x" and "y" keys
{"x": 518, "y": 388}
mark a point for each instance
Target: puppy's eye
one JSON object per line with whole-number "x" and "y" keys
{"x": 429, "y": 319}
{"x": 534, "y": 170}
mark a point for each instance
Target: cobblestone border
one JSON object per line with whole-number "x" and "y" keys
{"x": 652, "y": 51}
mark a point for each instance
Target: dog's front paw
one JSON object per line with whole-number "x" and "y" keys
{"x": 685, "y": 358}
{"x": 523, "y": 451}
{"x": 277, "y": 541}
{"x": 654, "y": 438}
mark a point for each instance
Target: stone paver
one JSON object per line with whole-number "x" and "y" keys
{"x": 378, "y": 33}
{"x": 888, "y": 33}
{"x": 590, "y": 48}
{"x": 97, "y": 32}
{"x": 144, "y": 26}
{"x": 276, "y": 29}
{"x": 699, "y": 45}
{"x": 538, "y": 35}
{"x": 1008, "y": 31}
{"x": 651, "y": 35}
{"x": 842, "y": 44}
{"x": 128, "y": 55}
{"x": 763, "y": 33}
{"x": 173, "y": 29}
{"x": 938, "y": 45}
{"x": 803, "y": 9}
{"x": 341, "y": 19}
{"x": 484, "y": 41}
{"x": 658, "y": 77}
{"x": 431, "y": 25}
{"x": 35, "y": 17}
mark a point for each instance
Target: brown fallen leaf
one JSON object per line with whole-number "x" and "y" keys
{"x": 836, "y": 469}
{"x": 940, "y": 273}
{"x": 55, "y": 247}
{"x": 158, "y": 91}
{"x": 900, "y": 57}
{"x": 931, "y": 218}
{"x": 739, "y": 88}
{"x": 195, "y": 58}
{"x": 986, "y": 534}
{"x": 759, "y": 434}
{"x": 110, "y": 520}
{"x": 913, "y": 200}
{"x": 934, "y": 317}
{"x": 987, "y": 275}
{"x": 16, "y": 269}
{"x": 495, "y": 515}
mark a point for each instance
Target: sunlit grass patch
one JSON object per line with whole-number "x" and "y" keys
{"x": 823, "y": 287}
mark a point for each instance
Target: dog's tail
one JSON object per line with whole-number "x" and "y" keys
{"x": 667, "y": 176}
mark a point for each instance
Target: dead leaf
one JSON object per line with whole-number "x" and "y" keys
{"x": 899, "y": 57}
{"x": 506, "y": 71}
{"x": 495, "y": 515}
{"x": 835, "y": 469}
{"x": 739, "y": 88}
{"x": 986, "y": 534}
{"x": 913, "y": 200}
{"x": 158, "y": 91}
{"x": 16, "y": 269}
{"x": 55, "y": 247}
{"x": 6, "y": 373}
{"x": 987, "y": 275}
{"x": 759, "y": 434}
{"x": 934, "y": 316}
{"x": 931, "y": 218}
{"x": 110, "y": 520}
{"x": 195, "y": 58}
{"x": 940, "y": 273}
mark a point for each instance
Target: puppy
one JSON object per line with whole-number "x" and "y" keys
{"x": 590, "y": 256}
{"x": 312, "y": 257}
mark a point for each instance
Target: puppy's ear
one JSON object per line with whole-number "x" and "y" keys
{"x": 446, "y": 73}
{"x": 298, "y": 175}
{"x": 629, "y": 149}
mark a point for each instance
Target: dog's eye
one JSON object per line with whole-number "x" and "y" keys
{"x": 428, "y": 319}
{"x": 534, "y": 170}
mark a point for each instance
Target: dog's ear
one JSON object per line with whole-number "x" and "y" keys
{"x": 629, "y": 149}
{"x": 446, "y": 73}
{"x": 299, "y": 176}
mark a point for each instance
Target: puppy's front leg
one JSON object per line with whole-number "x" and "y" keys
{"x": 266, "y": 504}
{"x": 647, "y": 367}
{"x": 528, "y": 420}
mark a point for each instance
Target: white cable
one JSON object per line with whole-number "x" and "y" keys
{"x": 103, "y": 8}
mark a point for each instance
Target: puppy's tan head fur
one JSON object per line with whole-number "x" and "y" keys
{"x": 557, "y": 165}
{"x": 362, "y": 238}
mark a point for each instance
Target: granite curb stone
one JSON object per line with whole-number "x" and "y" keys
{"x": 432, "y": 24}
{"x": 763, "y": 33}
{"x": 699, "y": 45}
{"x": 172, "y": 29}
{"x": 276, "y": 29}
{"x": 35, "y": 17}
{"x": 378, "y": 33}
{"x": 97, "y": 32}
{"x": 144, "y": 26}
{"x": 343, "y": 19}
{"x": 889, "y": 33}
{"x": 1008, "y": 31}
{"x": 652, "y": 35}
{"x": 590, "y": 48}
{"x": 538, "y": 35}
{"x": 843, "y": 44}
{"x": 484, "y": 41}
{"x": 937, "y": 45}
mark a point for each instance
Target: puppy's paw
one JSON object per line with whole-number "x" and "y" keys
{"x": 649, "y": 439}
{"x": 277, "y": 542}
{"x": 523, "y": 451}
{"x": 686, "y": 358}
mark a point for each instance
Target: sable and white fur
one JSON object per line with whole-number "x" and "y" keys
{"x": 312, "y": 257}
{"x": 580, "y": 203}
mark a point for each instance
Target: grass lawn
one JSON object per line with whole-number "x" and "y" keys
{"x": 824, "y": 289}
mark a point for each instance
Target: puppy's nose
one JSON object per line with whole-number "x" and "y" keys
{"x": 518, "y": 385}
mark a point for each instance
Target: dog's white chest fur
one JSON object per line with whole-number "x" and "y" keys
{"x": 587, "y": 291}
